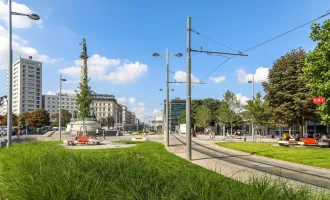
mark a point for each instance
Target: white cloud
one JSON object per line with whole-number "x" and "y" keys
{"x": 218, "y": 79}
{"x": 64, "y": 91}
{"x": 51, "y": 93}
{"x": 242, "y": 99}
{"x": 128, "y": 73}
{"x": 260, "y": 75}
{"x": 19, "y": 48}
{"x": 98, "y": 69}
{"x": 132, "y": 100}
{"x": 122, "y": 100}
{"x": 156, "y": 113}
{"x": 18, "y": 21}
{"x": 181, "y": 76}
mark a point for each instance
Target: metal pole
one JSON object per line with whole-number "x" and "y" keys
{"x": 26, "y": 124}
{"x": 59, "y": 112}
{"x": 10, "y": 80}
{"x": 167, "y": 137}
{"x": 252, "y": 126}
{"x": 188, "y": 96}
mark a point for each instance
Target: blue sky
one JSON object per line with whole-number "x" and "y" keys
{"x": 122, "y": 35}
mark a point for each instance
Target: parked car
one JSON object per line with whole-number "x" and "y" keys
{"x": 3, "y": 132}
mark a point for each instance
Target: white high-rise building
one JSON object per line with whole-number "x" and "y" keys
{"x": 27, "y": 85}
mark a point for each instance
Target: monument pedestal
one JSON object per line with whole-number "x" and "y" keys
{"x": 77, "y": 127}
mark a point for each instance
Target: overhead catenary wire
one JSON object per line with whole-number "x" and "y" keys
{"x": 262, "y": 43}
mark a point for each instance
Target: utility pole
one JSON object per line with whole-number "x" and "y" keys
{"x": 188, "y": 95}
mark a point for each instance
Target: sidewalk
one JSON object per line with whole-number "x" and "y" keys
{"x": 239, "y": 172}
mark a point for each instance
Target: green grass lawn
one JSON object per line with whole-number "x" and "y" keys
{"x": 319, "y": 157}
{"x": 45, "y": 170}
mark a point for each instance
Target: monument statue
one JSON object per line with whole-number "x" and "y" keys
{"x": 86, "y": 120}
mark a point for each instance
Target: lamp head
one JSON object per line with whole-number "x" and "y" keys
{"x": 155, "y": 54}
{"x": 178, "y": 54}
{"x": 34, "y": 16}
{"x": 249, "y": 81}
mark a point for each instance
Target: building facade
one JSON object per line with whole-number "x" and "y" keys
{"x": 3, "y": 105}
{"x": 177, "y": 105}
{"x": 51, "y": 103}
{"x": 27, "y": 85}
{"x": 105, "y": 105}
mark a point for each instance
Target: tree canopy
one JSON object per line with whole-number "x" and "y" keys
{"x": 286, "y": 90}
{"x": 38, "y": 118}
{"x": 227, "y": 113}
{"x": 203, "y": 116}
{"x": 257, "y": 112}
{"x": 316, "y": 69}
{"x": 22, "y": 118}
{"x": 14, "y": 119}
{"x": 65, "y": 117}
{"x": 84, "y": 100}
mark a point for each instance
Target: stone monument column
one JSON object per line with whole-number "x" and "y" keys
{"x": 84, "y": 57}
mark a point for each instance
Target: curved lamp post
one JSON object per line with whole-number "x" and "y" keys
{"x": 10, "y": 71}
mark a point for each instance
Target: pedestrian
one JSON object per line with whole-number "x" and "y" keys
{"x": 117, "y": 135}
{"x": 192, "y": 132}
{"x": 97, "y": 132}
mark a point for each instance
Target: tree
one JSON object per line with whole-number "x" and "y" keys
{"x": 203, "y": 116}
{"x": 109, "y": 121}
{"x": 213, "y": 105}
{"x": 257, "y": 112}
{"x": 182, "y": 117}
{"x": 84, "y": 99}
{"x": 14, "y": 119}
{"x": 102, "y": 121}
{"x": 38, "y": 118}
{"x": 65, "y": 117}
{"x": 159, "y": 127}
{"x": 227, "y": 112}
{"x": 22, "y": 118}
{"x": 316, "y": 69}
{"x": 286, "y": 90}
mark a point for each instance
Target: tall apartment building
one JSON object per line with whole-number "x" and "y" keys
{"x": 27, "y": 85}
{"x": 3, "y": 105}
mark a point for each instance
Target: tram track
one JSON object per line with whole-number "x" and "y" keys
{"x": 299, "y": 174}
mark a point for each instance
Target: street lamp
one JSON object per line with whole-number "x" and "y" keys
{"x": 59, "y": 112}
{"x": 167, "y": 56}
{"x": 10, "y": 71}
{"x": 252, "y": 126}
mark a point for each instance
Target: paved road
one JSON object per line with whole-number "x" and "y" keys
{"x": 304, "y": 174}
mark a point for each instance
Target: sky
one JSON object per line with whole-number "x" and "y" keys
{"x": 122, "y": 35}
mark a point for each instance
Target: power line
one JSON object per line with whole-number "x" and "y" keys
{"x": 198, "y": 33}
{"x": 267, "y": 41}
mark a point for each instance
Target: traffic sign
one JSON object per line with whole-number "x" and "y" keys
{"x": 319, "y": 100}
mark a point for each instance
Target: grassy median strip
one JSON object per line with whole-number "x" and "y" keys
{"x": 45, "y": 170}
{"x": 313, "y": 156}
